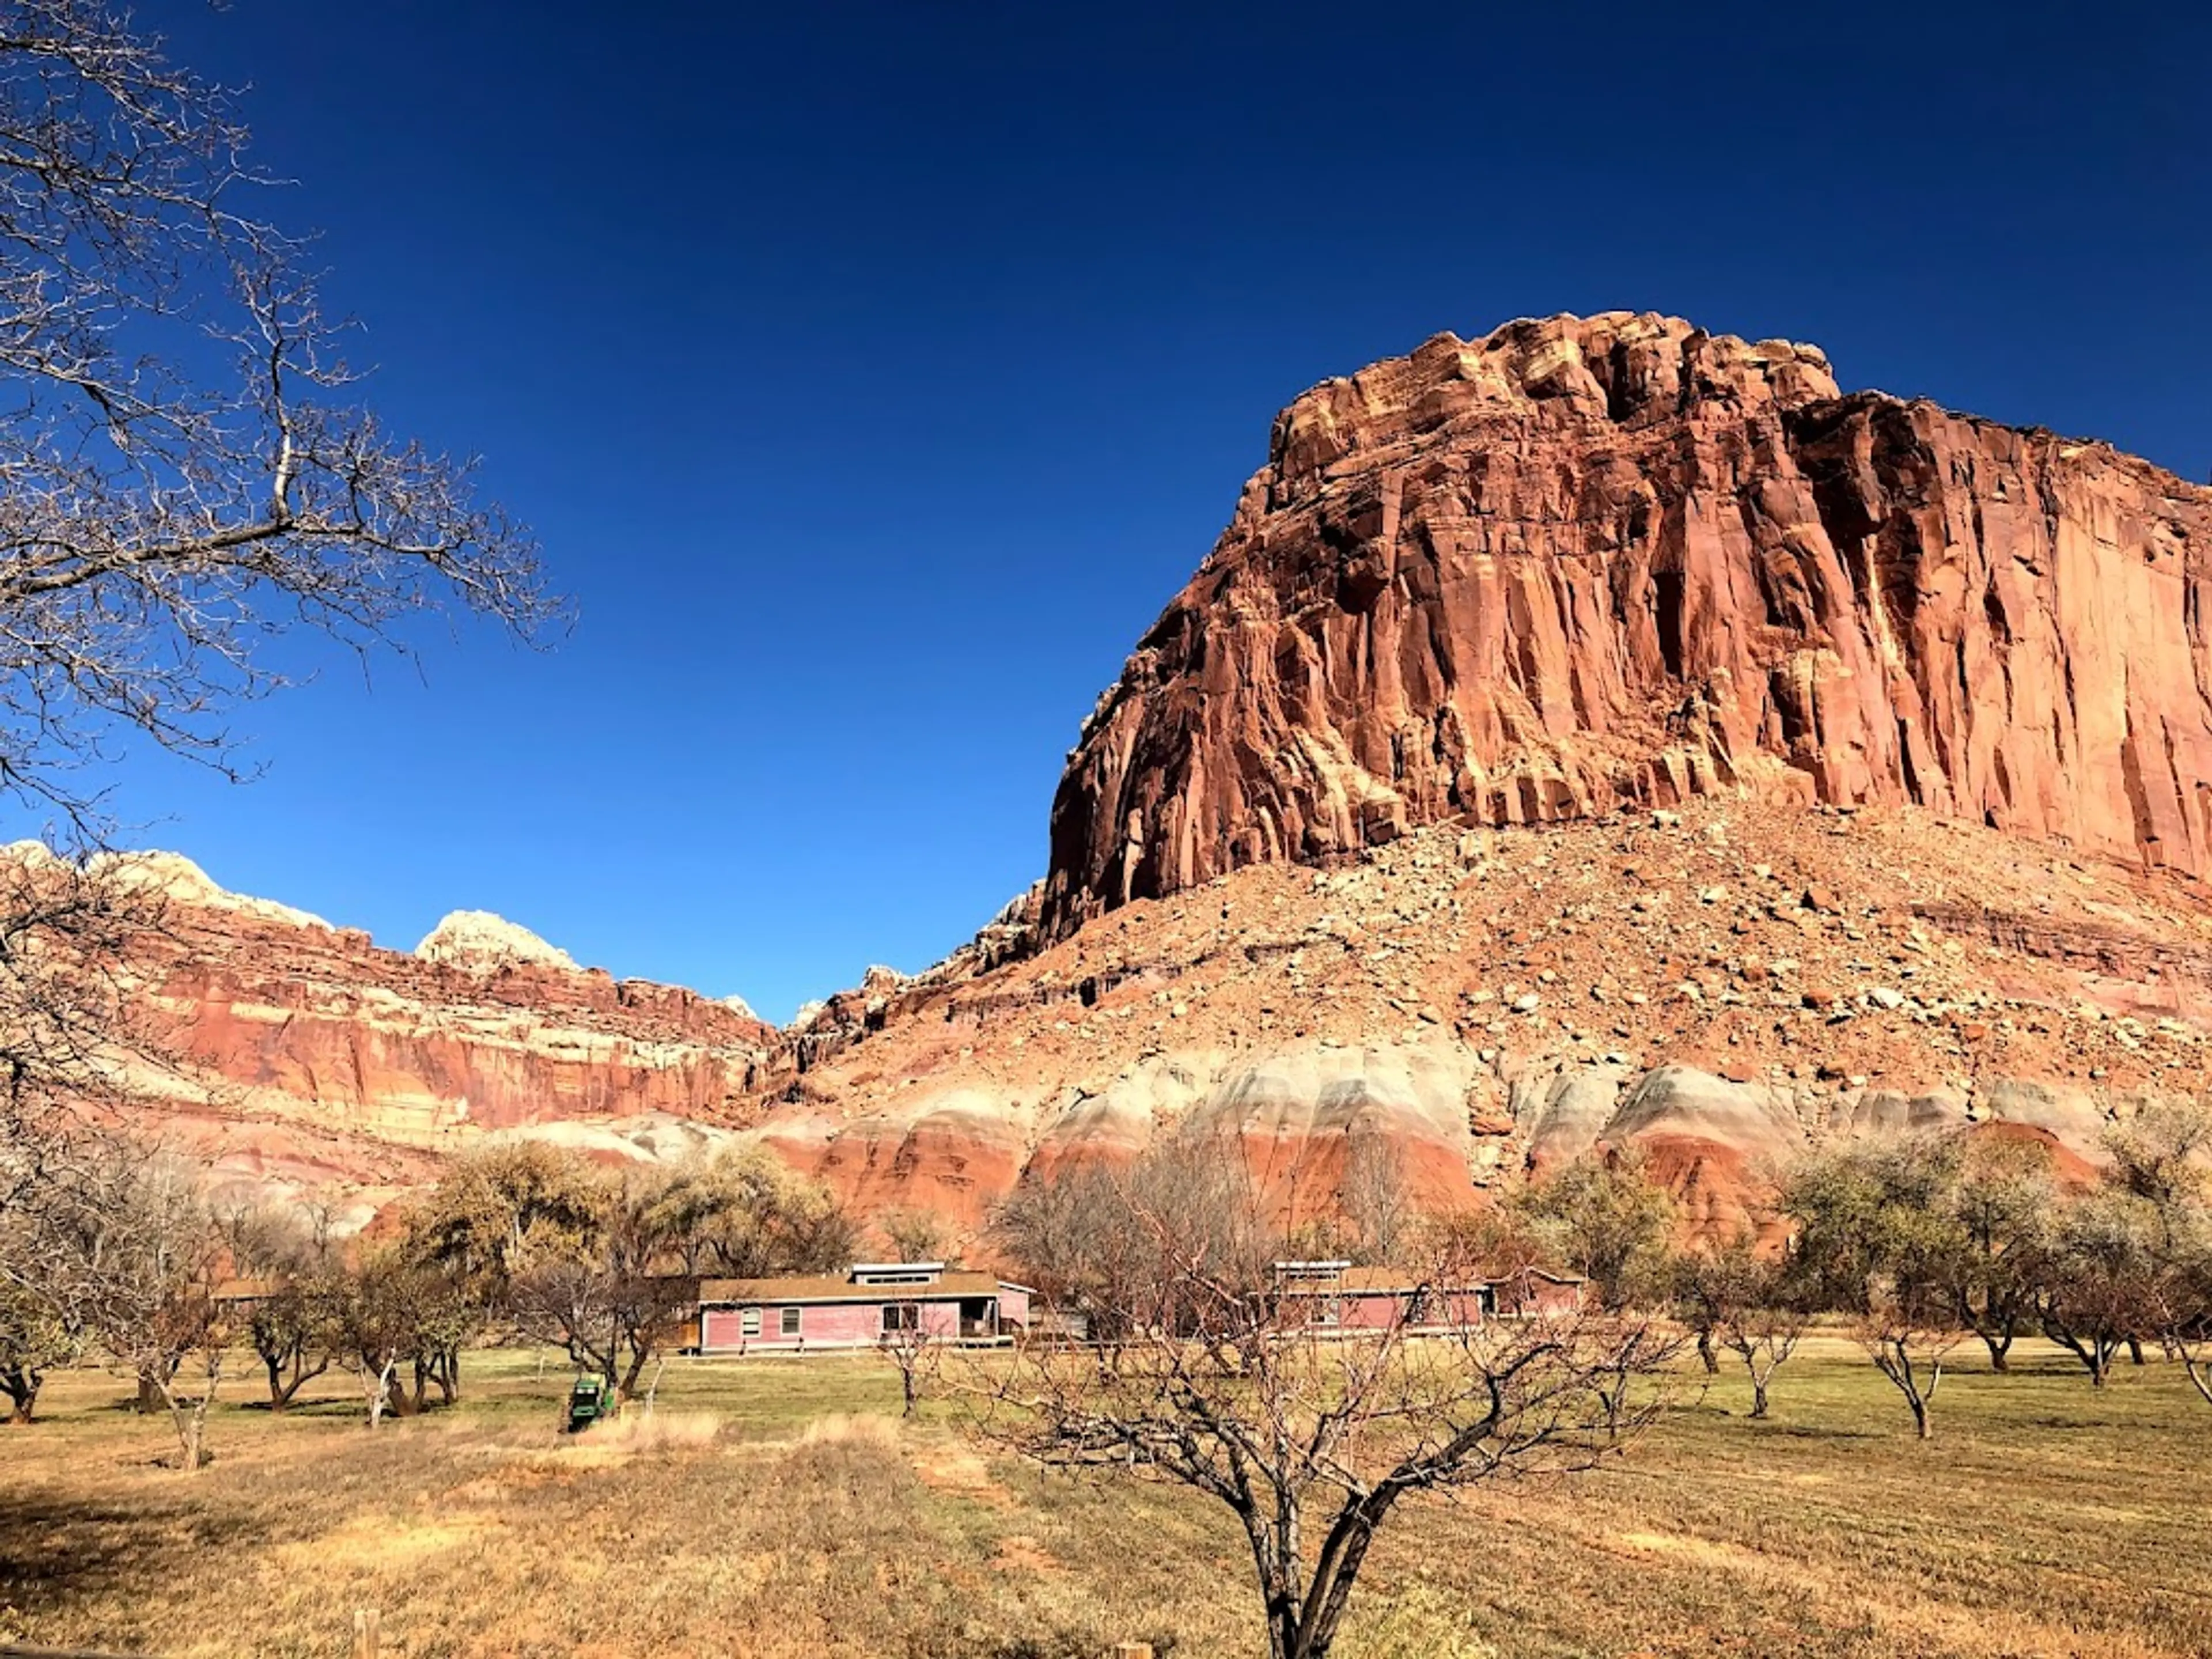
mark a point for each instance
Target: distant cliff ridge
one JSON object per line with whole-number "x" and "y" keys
{"x": 1581, "y": 562}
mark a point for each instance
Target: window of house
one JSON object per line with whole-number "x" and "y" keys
{"x": 749, "y": 1321}
{"x": 900, "y": 1316}
{"x": 1328, "y": 1310}
{"x": 790, "y": 1322}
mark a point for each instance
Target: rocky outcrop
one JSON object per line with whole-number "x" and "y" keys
{"x": 301, "y": 1054}
{"x": 484, "y": 943}
{"x": 1585, "y": 562}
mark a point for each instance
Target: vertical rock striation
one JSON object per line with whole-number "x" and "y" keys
{"x": 1588, "y": 563}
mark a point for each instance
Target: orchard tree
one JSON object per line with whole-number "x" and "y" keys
{"x": 1599, "y": 1216}
{"x": 379, "y": 1328}
{"x": 2181, "y": 1313}
{"x": 602, "y": 1293}
{"x": 2099, "y": 1288}
{"x": 1878, "y": 1239}
{"x": 36, "y": 1337}
{"x": 1741, "y": 1303}
{"x": 1309, "y": 1441}
{"x": 295, "y": 1328}
{"x": 2006, "y": 1200}
{"x": 284, "y": 1256}
{"x": 741, "y": 1212}
{"x": 121, "y": 1250}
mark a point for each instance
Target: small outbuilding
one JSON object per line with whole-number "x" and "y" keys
{"x": 1337, "y": 1295}
{"x": 869, "y": 1303}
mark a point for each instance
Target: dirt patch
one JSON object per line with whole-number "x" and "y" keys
{"x": 1021, "y": 1554}
{"x": 371, "y": 1541}
{"x": 955, "y": 1470}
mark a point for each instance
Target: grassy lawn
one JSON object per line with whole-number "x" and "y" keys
{"x": 780, "y": 1508}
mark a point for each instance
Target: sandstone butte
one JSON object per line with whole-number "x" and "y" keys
{"x": 1600, "y": 734}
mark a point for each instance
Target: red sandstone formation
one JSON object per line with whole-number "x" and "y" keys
{"x": 312, "y": 1057}
{"x": 1581, "y": 563}
{"x": 1525, "y": 582}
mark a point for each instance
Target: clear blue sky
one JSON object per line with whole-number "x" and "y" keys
{"x": 874, "y": 373}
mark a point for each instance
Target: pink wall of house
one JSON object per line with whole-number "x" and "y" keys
{"x": 1013, "y": 1309}
{"x": 1547, "y": 1296}
{"x": 821, "y": 1325}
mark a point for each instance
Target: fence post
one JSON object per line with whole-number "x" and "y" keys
{"x": 365, "y": 1632}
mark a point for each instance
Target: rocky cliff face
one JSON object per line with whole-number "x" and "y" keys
{"x": 310, "y": 1057}
{"x": 1588, "y": 563}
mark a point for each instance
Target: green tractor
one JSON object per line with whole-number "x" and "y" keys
{"x": 589, "y": 1400}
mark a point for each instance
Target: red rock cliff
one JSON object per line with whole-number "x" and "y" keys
{"x": 1584, "y": 563}
{"x": 300, "y": 1046}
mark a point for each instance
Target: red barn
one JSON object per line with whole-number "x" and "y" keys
{"x": 858, "y": 1309}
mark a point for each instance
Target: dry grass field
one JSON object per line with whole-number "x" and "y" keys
{"x": 775, "y": 1508}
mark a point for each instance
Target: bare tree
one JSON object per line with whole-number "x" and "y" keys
{"x": 1069, "y": 1239}
{"x": 910, "y": 1351}
{"x": 1381, "y": 1219}
{"x": 185, "y": 477}
{"x": 69, "y": 1028}
{"x": 1090, "y": 1239}
{"x": 122, "y": 1248}
{"x": 1309, "y": 1441}
{"x": 158, "y": 522}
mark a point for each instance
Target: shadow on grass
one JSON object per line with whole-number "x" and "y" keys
{"x": 53, "y": 1553}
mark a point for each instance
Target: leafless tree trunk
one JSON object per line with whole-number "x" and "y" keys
{"x": 1764, "y": 1345}
{"x": 1911, "y": 1358}
{"x": 909, "y": 1350}
{"x": 188, "y": 1411}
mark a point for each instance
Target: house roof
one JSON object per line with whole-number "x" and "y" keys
{"x": 826, "y": 1287}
